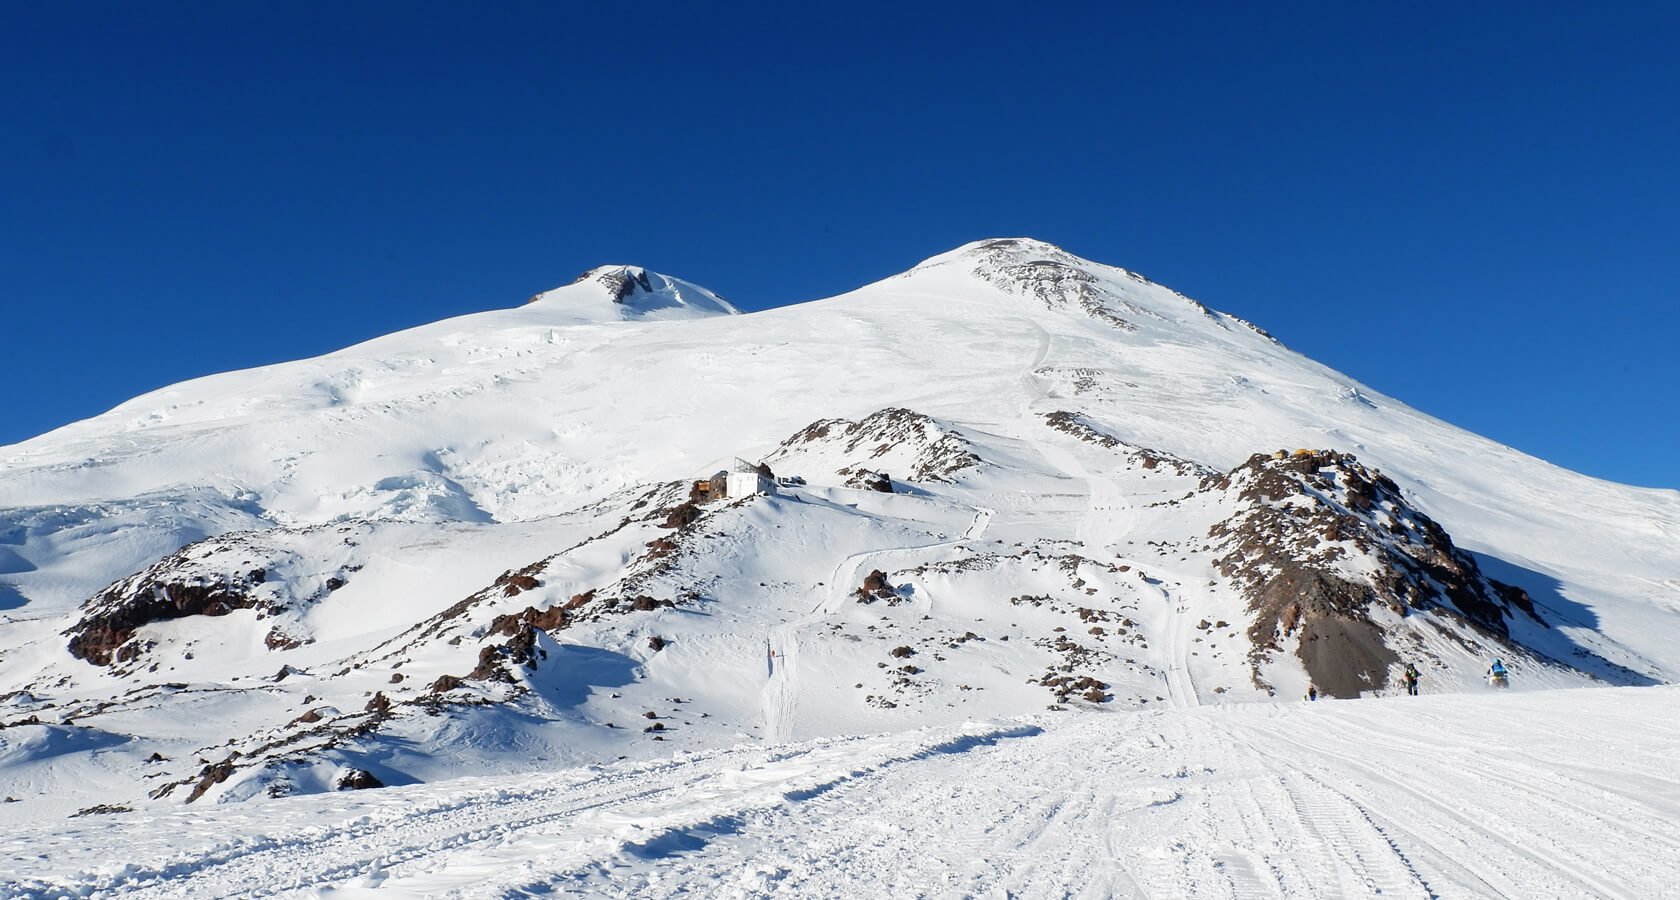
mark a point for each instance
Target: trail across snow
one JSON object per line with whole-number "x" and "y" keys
{"x": 781, "y": 691}
{"x": 1520, "y": 795}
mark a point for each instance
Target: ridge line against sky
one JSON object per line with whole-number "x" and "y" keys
{"x": 1473, "y": 211}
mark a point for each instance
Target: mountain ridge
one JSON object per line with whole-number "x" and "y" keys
{"x": 1044, "y": 480}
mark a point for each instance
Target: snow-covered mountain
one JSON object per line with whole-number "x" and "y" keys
{"x": 624, "y": 520}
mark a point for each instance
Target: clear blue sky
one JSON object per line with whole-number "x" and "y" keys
{"x": 1475, "y": 211}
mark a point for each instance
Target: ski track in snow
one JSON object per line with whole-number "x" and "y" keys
{"x": 781, "y": 691}
{"x": 1383, "y": 798}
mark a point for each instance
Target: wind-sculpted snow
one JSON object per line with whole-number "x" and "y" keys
{"x": 1488, "y": 796}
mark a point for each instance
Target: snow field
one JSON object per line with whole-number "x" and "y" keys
{"x": 1557, "y": 794}
{"x": 422, "y": 465}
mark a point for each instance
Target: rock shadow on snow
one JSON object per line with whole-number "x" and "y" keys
{"x": 570, "y": 672}
{"x": 1554, "y": 609}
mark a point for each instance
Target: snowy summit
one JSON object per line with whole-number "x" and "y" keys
{"x": 610, "y": 293}
{"x": 625, "y": 592}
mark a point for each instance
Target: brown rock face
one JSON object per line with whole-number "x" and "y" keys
{"x": 514, "y": 584}
{"x": 868, "y": 480}
{"x": 210, "y": 776}
{"x": 277, "y": 639}
{"x": 357, "y": 780}
{"x": 126, "y": 606}
{"x": 1299, "y": 515}
{"x": 682, "y": 515}
{"x": 876, "y": 587}
{"x": 1052, "y": 277}
{"x": 210, "y": 578}
{"x": 553, "y": 618}
{"x": 940, "y": 452}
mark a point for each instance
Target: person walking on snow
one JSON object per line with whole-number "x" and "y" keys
{"x": 1411, "y": 679}
{"x": 1497, "y": 675}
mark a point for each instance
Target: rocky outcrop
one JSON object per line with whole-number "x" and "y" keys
{"x": 210, "y": 578}
{"x": 1053, "y": 277}
{"x": 1319, "y": 544}
{"x": 356, "y": 780}
{"x": 877, "y": 587}
{"x": 901, "y": 439}
{"x": 1080, "y": 426}
{"x": 103, "y": 636}
{"x": 621, "y": 282}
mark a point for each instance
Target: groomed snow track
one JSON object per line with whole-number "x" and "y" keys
{"x": 1554, "y": 794}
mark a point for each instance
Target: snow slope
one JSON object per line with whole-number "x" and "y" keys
{"x": 1509, "y": 795}
{"x": 477, "y": 549}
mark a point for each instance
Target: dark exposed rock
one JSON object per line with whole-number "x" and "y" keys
{"x": 938, "y": 452}
{"x": 278, "y": 639}
{"x": 551, "y": 619}
{"x": 621, "y": 282}
{"x": 211, "y": 578}
{"x": 901, "y": 652}
{"x": 520, "y": 649}
{"x": 210, "y": 776}
{"x": 876, "y": 587}
{"x": 1054, "y": 278}
{"x": 357, "y": 780}
{"x": 1081, "y": 428}
{"x": 150, "y": 597}
{"x": 656, "y": 643}
{"x": 682, "y": 515}
{"x": 102, "y": 809}
{"x": 867, "y": 480}
{"x": 1300, "y": 515}
{"x": 514, "y": 583}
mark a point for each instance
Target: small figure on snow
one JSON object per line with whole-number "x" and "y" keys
{"x": 1312, "y": 692}
{"x": 1411, "y": 679}
{"x": 1497, "y": 676}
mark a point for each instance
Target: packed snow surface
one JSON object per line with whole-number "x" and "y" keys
{"x": 1510, "y": 794}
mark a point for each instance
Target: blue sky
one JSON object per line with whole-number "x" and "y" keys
{"x": 1477, "y": 212}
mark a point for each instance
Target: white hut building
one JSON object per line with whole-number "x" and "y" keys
{"x": 747, "y": 479}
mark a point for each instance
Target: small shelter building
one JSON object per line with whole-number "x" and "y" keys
{"x": 747, "y": 479}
